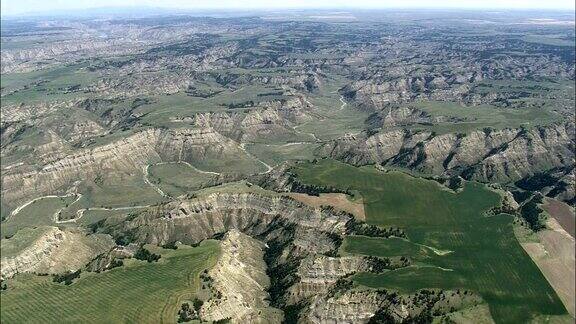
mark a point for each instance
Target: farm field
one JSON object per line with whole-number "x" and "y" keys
{"x": 138, "y": 292}
{"x": 464, "y": 249}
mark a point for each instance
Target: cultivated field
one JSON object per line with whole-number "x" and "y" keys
{"x": 138, "y": 292}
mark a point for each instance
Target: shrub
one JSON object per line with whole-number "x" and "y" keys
{"x": 145, "y": 255}
{"x": 67, "y": 278}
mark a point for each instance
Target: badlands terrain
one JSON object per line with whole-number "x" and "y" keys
{"x": 288, "y": 167}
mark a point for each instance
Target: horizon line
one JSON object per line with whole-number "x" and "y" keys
{"x": 45, "y": 13}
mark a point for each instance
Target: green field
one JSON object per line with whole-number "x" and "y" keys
{"x": 548, "y": 40}
{"x": 277, "y": 153}
{"x": 109, "y": 192}
{"x": 55, "y": 80}
{"x": 124, "y": 191}
{"x": 182, "y": 105}
{"x": 236, "y": 162}
{"x": 16, "y": 244}
{"x": 391, "y": 247}
{"x": 138, "y": 292}
{"x": 333, "y": 118}
{"x": 479, "y": 117}
{"x": 486, "y": 257}
{"x": 176, "y": 179}
{"x": 38, "y": 213}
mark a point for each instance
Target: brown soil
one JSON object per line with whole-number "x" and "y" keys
{"x": 337, "y": 200}
{"x": 562, "y": 212}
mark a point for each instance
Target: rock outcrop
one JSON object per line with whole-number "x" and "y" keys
{"x": 53, "y": 251}
{"x": 381, "y": 306}
{"x": 191, "y": 221}
{"x": 266, "y": 120}
{"x": 489, "y": 155}
{"x": 240, "y": 280}
{"x": 318, "y": 273}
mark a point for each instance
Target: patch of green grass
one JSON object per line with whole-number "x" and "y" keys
{"x": 92, "y": 216}
{"x": 20, "y": 241}
{"x": 548, "y": 40}
{"x": 120, "y": 191}
{"x": 27, "y": 140}
{"x": 276, "y": 154}
{"x": 176, "y": 179}
{"x": 56, "y": 80}
{"x": 167, "y": 108}
{"x": 38, "y": 213}
{"x": 235, "y": 162}
{"x": 138, "y": 292}
{"x": 479, "y": 117}
{"x": 117, "y": 190}
{"x": 333, "y": 119}
{"x": 383, "y": 247}
{"x": 486, "y": 257}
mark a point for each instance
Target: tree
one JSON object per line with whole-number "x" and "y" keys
{"x": 186, "y": 314}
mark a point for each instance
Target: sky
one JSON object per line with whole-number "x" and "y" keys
{"x": 16, "y": 7}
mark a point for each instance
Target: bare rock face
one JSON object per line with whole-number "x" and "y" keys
{"x": 53, "y": 251}
{"x": 240, "y": 278}
{"x": 350, "y": 307}
{"x": 191, "y": 221}
{"x": 279, "y": 179}
{"x": 504, "y": 155}
{"x": 379, "y": 89}
{"x": 381, "y": 306}
{"x": 318, "y": 273}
